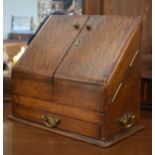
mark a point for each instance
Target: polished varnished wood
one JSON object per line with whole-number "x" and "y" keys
{"x": 90, "y": 66}
{"x": 102, "y": 143}
{"x": 99, "y": 50}
{"x": 91, "y": 95}
{"x": 127, "y": 101}
{"x": 81, "y": 88}
{"x": 22, "y": 139}
{"x": 44, "y": 55}
{"x": 32, "y": 88}
{"x": 125, "y": 63}
{"x": 61, "y": 109}
{"x": 66, "y": 123}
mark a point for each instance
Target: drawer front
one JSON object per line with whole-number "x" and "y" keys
{"x": 61, "y": 109}
{"x": 64, "y": 123}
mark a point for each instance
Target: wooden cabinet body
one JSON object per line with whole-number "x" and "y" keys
{"x": 80, "y": 77}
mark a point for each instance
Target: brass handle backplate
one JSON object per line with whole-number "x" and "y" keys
{"x": 127, "y": 120}
{"x": 50, "y": 121}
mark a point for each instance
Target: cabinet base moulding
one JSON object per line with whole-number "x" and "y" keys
{"x": 102, "y": 143}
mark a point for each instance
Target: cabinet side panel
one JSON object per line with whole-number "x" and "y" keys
{"x": 131, "y": 51}
{"x": 127, "y": 101}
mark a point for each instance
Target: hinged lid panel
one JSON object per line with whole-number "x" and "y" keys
{"x": 100, "y": 45}
{"x": 45, "y": 53}
{"x": 50, "y": 45}
{"x": 82, "y": 76}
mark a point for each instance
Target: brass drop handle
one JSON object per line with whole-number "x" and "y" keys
{"x": 76, "y": 26}
{"x": 50, "y": 121}
{"x": 127, "y": 120}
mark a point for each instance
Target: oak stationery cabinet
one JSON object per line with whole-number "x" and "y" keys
{"x": 80, "y": 77}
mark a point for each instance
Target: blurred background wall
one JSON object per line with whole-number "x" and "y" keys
{"x": 17, "y": 8}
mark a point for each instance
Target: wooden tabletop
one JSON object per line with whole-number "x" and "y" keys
{"x": 20, "y": 139}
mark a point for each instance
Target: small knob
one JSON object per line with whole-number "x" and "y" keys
{"x": 76, "y": 26}
{"x": 88, "y": 27}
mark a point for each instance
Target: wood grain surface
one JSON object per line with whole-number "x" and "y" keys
{"x": 44, "y": 55}
{"x": 50, "y": 45}
{"x": 99, "y": 50}
{"x": 90, "y": 67}
{"x": 127, "y": 101}
{"x": 61, "y": 109}
{"x": 66, "y": 123}
{"x": 78, "y": 76}
{"x": 32, "y": 88}
{"x": 130, "y": 55}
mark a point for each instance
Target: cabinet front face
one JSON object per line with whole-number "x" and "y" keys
{"x": 33, "y": 73}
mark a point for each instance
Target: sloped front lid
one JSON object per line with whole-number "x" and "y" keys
{"x": 50, "y": 45}
{"x": 33, "y": 74}
{"x": 101, "y": 43}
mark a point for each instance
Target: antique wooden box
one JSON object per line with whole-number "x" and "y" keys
{"x": 80, "y": 77}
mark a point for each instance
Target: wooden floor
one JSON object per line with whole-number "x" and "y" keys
{"x": 20, "y": 139}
